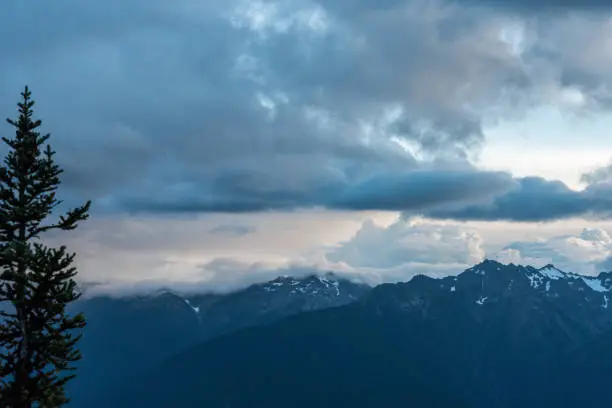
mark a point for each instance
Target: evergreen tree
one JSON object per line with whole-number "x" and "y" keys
{"x": 37, "y": 337}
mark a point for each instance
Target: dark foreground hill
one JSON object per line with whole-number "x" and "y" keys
{"x": 495, "y": 336}
{"x": 302, "y": 362}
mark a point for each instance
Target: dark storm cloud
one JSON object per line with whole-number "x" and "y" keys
{"x": 423, "y": 190}
{"x": 535, "y": 199}
{"x": 414, "y": 190}
{"x": 544, "y": 5}
{"x": 368, "y": 6}
{"x": 600, "y": 174}
{"x": 240, "y": 106}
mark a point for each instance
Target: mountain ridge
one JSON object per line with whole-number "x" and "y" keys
{"x": 490, "y": 341}
{"x": 128, "y": 334}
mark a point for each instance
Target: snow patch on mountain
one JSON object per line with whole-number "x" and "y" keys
{"x": 595, "y": 284}
{"x": 312, "y": 284}
{"x": 194, "y": 308}
{"x": 544, "y": 276}
{"x": 492, "y": 280}
{"x": 550, "y": 272}
{"x": 330, "y": 283}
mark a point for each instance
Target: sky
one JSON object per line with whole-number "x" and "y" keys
{"x": 225, "y": 143}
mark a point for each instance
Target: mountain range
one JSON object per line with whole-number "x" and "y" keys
{"x": 127, "y": 335}
{"x": 493, "y": 336}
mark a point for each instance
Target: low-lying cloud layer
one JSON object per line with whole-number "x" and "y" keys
{"x": 408, "y": 247}
{"x": 243, "y": 106}
{"x": 406, "y": 242}
{"x": 189, "y": 256}
{"x": 587, "y": 253}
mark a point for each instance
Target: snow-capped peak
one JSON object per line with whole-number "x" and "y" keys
{"x": 548, "y": 273}
{"x": 491, "y": 280}
{"x": 308, "y": 284}
{"x": 543, "y": 276}
{"x": 553, "y": 273}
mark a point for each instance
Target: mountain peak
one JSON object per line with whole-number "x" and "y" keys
{"x": 553, "y": 273}
{"x": 306, "y": 284}
{"x": 547, "y": 281}
{"x": 488, "y": 263}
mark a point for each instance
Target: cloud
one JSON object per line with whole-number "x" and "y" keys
{"x": 535, "y": 199}
{"x": 233, "y": 230}
{"x": 598, "y": 175}
{"x": 546, "y": 5}
{"x": 418, "y": 189}
{"x": 408, "y": 241}
{"x": 127, "y": 249}
{"x": 407, "y": 247}
{"x": 585, "y": 253}
{"x": 249, "y": 106}
{"x": 411, "y": 246}
{"x": 374, "y": 255}
{"x": 131, "y": 256}
{"x": 140, "y": 256}
{"x": 221, "y": 275}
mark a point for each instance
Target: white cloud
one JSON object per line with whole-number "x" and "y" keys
{"x": 409, "y": 241}
{"x": 398, "y": 251}
{"x": 220, "y": 275}
{"x": 131, "y": 249}
{"x": 581, "y": 253}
